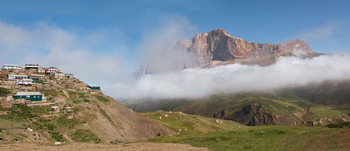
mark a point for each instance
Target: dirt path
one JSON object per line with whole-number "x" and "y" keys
{"x": 96, "y": 147}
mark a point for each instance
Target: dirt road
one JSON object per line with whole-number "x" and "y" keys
{"x": 97, "y": 147}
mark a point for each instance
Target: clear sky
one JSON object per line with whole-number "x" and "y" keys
{"x": 118, "y": 29}
{"x": 269, "y": 21}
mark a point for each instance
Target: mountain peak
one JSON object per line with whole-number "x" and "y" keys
{"x": 218, "y": 47}
{"x": 220, "y": 31}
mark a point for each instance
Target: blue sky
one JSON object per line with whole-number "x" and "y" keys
{"x": 115, "y": 32}
{"x": 269, "y": 21}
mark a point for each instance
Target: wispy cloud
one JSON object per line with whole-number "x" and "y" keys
{"x": 50, "y": 45}
{"x": 234, "y": 78}
{"x": 323, "y": 33}
{"x": 331, "y": 37}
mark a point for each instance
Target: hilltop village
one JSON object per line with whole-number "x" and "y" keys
{"x": 46, "y": 105}
{"x": 27, "y": 82}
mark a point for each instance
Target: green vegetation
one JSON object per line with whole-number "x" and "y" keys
{"x": 7, "y": 123}
{"x": 102, "y": 98}
{"x": 228, "y": 135}
{"x": 4, "y": 91}
{"x": 321, "y": 111}
{"x": 53, "y": 93}
{"x": 106, "y": 116}
{"x": 41, "y": 110}
{"x": 339, "y": 125}
{"x": 282, "y": 103}
{"x": 39, "y": 81}
{"x": 265, "y": 138}
{"x": 78, "y": 97}
{"x": 22, "y": 111}
{"x": 84, "y": 136}
{"x": 64, "y": 121}
{"x": 191, "y": 124}
{"x": 56, "y": 136}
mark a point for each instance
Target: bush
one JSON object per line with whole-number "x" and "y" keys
{"x": 64, "y": 121}
{"x": 56, "y": 136}
{"x": 102, "y": 98}
{"x": 339, "y": 125}
{"x": 84, "y": 136}
{"x": 4, "y": 91}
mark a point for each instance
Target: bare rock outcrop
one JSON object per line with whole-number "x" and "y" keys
{"x": 254, "y": 115}
{"x": 218, "y": 47}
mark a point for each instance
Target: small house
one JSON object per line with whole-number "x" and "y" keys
{"x": 31, "y": 96}
{"x": 16, "y": 77}
{"x": 52, "y": 70}
{"x": 59, "y": 75}
{"x": 32, "y": 66}
{"x": 69, "y": 76}
{"x": 9, "y": 66}
{"x": 56, "y": 109}
{"x": 95, "y": 87}
{"x": 25, "y": 82}
{"x": 68, "y": 109}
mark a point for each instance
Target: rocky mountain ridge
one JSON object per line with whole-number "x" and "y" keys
{"x": 218, "y": 47}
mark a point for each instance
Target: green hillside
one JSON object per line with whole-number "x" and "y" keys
{"x": 191, "y": 124}
{"x": 267, "y": 138}
{"x": 282, "y": 107}
{"x": 228, "y": 135}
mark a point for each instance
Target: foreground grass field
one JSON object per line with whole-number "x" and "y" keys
{"x": 250, "y": 138}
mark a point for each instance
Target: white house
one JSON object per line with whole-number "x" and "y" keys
{"x": 10, "y": 66}
{"x": 59, "y": 75}
{"x": 52, "y": 70}
{"x": 32, "y": 66}
{"x": 68, "y": 75}
{"x": 25, "y": 82}
{"x": 16, "y": 77}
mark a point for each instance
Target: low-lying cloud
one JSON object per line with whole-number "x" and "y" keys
{"x": 234, "y": 78}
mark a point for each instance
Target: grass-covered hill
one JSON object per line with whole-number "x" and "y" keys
{"x": 218, "y": 134}
{"x": 94, "y": 117}
{"x": 185, "y": 124}
{"x": 314, "y": 104}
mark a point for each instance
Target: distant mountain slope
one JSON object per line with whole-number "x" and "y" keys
{"x": 314, "y": 104}
{"x": 218, "y": 47}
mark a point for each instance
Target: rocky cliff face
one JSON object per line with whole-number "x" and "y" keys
{"x": 253, "y": 115}
{"x": 218, "y": 47}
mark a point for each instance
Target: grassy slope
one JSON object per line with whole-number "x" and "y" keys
{"x": 268, "y": 138}
{"x": 192, "y": 124}
{"x": 206, "y": 132}
{"x": 280, "y": 104}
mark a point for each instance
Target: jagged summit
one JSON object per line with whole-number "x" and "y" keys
{"x": 218, "y": 47}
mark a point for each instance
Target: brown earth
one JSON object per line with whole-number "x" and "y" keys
{"x": 110, "y": 120}
{"x": 98, "y": 147}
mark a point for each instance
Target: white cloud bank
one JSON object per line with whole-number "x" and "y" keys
{"x": 53, "y": 46}
{"x": 49, "y": 45}
{"x": 234, "y": 78}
